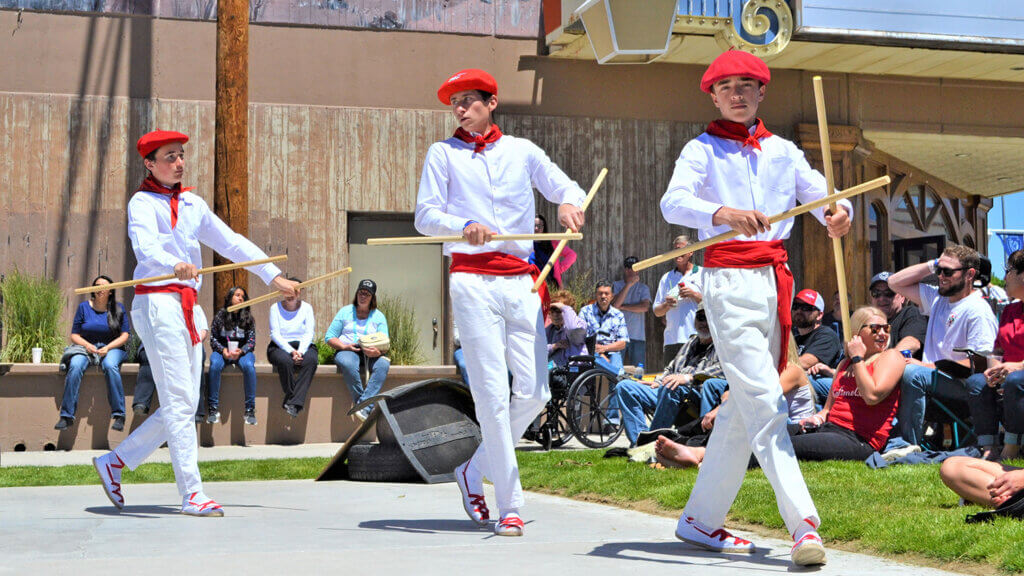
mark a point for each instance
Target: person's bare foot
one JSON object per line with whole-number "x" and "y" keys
{"x": 1010, "y": 451}
{"x": 674, "y": 455}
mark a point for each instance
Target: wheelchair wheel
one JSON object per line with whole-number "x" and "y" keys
{"x": 554, "y": 427}
{"x": 587, "y": 408}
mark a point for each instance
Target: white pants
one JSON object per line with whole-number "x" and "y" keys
{"x": 742, "y": 314}
{"x": 177, "y": 369}
{"x": 502, "y": 330}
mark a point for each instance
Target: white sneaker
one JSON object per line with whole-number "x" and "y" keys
{"x": 510, "y": 525}
{"x": 199, "y": 504}
{"x": 692, "y": 532}
{"x": 808, "y": 550}
{"x": 472, "y": 488}
{"x": 109, "y": 468}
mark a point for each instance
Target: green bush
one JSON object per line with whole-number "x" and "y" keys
{"x": 31, "y": 318}
{"x": 323, "y": 350}
{"x": 405, "y": 342}
{"x": 581, "y": 284}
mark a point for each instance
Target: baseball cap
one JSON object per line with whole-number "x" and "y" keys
{"x": 368, "y": 285}
{"x": 629, "y": 261}
{"x": 811, "y": 298}
{"x": 882, "y": 276}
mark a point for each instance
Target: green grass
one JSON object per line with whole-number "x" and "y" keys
{"x": 219, "y": 471}
{"x": 893, "y": 511}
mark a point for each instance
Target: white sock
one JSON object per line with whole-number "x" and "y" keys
{"x": 807, "y": 525}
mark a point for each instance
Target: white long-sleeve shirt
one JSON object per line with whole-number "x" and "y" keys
{"x": 713, "y": 172}
{"x": 493, "y": 188}
{"x": 158, "y": 248}
{"x": 291, "y": 326}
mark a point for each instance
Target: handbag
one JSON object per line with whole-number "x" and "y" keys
{"x": 378, "y": 340}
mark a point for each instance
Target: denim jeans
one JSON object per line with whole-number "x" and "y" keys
{"x": 984, "y": 408}
{"x": 636, "y": 352}
{"x": 614, "y": 365}
{"x": 636, "y": 399}
{"x": 711, "y": 394}
{"x": 350, "y": 363}
{"x": 822, "y": 386}
{"x": 144, "y": 384}
{"x": 247, "y": 364}
{"x": 111, "y": 366}
{"x": 460, "y": 365}
{"x": 917, "y": 384}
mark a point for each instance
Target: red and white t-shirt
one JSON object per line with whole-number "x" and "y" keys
{"x": 871, "y": 423}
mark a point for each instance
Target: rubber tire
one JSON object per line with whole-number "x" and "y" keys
{"x": 574, "y": 417}
{"x": 377, "y": 463}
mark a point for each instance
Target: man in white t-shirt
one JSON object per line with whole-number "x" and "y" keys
{"x": 633, "y": 298}
{"x": 958, "y": 317}
{"x": 677, "y": 300}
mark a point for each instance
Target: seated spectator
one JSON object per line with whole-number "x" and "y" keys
{"x": 681, "y": 381}
{"x": 98, "y": 334}
{"x": 607, "y": 325}
{"x": 858, "y": 414}
{"x": 544, "y": 249}
{"x": 818, "y": 345}
{"x": 360, "y": 318}
{"x": 677, "y": 299}
{"x": 1004, "y": 378}
{"x": 459, "y": 356}
{"x": 567, "y": 332}
{"x": 909, "y": 326}
{"x": 831, "y": 318}
{"x": 958, "y": 318}
{"x": 291, "y": 332}
{"x": 144, "y": 384}
{"x": 233, "y": 341}
{"x": 980, "y": 481}
{"x": 796, "y": 389}
{"x": 633, "y": 298}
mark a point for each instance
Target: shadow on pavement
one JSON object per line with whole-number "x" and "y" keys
{"x": 426, "y": 526}
{"x": 135, "y": 511}
{"x": 681, "y": 553}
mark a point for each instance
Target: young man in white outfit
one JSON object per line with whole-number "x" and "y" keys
{"x": 166, "y": 224}
{"x": 729, "y": 178}
{"x": 480, "y": 183}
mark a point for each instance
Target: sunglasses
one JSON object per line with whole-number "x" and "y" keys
{"x": 949, "y": 272}
{"x": 701, "y": 317}
{"x": 804, "y": 308}
{"x": 876, "y": 328}
{"x": 555, "y": 310}
{"x": 883, "y": 294}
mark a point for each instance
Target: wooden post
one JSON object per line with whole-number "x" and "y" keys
{"x": 231, "y": 162}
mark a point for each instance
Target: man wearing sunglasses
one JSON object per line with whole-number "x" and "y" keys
{"x": 909, "y": 326}
{"x": 959, "y": 317}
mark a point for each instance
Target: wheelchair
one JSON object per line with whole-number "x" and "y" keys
{"x": 581, "y": 393}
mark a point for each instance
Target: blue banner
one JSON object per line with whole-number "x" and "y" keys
{"x": 1012, "y": 241}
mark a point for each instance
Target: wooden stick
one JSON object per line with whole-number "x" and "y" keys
{"x": 801, "y": 209}
{"x": 277, "y": 293}
{"x": 562, "y": 243}
{"x": 496, "y": 238}
{"x": 837, "y": 243}
{"x": 208, "y": 270}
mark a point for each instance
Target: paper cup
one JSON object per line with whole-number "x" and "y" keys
{"x": 37, "y": 355}
{"x": 232, "y": 345}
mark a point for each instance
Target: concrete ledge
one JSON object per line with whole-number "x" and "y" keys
{"x": 30, "y": 396}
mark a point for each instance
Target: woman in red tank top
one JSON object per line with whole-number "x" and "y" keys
{"x": 863, "y": 401}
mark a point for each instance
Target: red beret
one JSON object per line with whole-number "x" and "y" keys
{"x": 735, "y": 63}
{"x": 158, "y": 138}
{"x": 469, "y": 79}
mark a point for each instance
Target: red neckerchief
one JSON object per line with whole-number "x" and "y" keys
{"x": 500, "y": 264}
{"x": 188, "y": 302}
{"x": 480, "y": 141}
{"x": 739, "y": 132}
{"x": 151, "y": 185}
{"x": 755, "y": 254}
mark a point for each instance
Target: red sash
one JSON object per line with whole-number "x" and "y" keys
{"x": 738, "y": 254}
{"x": 499, "y": 264}
{"x": 188, "y": 301}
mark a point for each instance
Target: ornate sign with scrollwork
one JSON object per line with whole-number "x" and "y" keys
{"x": 763, "y": 27}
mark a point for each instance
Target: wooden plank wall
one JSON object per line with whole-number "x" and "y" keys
{"x": 69, "y": 166}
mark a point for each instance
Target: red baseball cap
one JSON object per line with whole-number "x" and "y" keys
{"x": 158, "y": 138}
{"x": 469, "y": 79}
{"x": 811, "y": 298}
{"x": 735, "y": 63}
